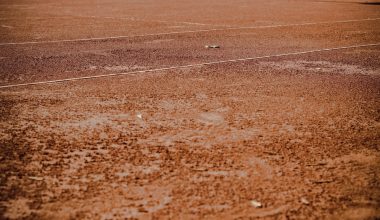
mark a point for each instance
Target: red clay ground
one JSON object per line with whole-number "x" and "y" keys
{"x": 298, "y": 133}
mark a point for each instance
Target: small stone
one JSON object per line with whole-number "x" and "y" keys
{"x": 256, "y": 204}
{"x": 305, "y": 201}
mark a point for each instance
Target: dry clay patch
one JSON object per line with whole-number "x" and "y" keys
{"x": 141, "y": 200}
{"x": 200, "y": 178}
{"x": 74, "y": 161}
{"x": 321, "y": 67}
{"x": 123, "y": 201}
{"x": 359, "y": 171}
{"x": 61, "y": 174}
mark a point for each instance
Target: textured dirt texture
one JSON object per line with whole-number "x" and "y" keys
{"x": 293, "y": 137}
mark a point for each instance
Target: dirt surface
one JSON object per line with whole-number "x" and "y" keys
{"x": 291, "y": 137}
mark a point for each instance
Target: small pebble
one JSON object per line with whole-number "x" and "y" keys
{"x": 305, "y": 201}
{"x": 256, "y": 204}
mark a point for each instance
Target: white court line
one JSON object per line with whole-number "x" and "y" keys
{"x": 187, "y": 32}
{"x": 187, "y": 66}
{"x": 146, "y": 20}
{"x": 121, "y": 18}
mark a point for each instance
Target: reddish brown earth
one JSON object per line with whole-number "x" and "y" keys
{"x": 300, "y": 134}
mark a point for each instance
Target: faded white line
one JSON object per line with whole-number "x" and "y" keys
{"x": 120, "y": 18}
{"x": 6, "y": 26}
{"x": 187, "y": 66}
{"x": 117, "y": 18}
{"x": 147, "y": 20}
{"x": 187, "y": 32}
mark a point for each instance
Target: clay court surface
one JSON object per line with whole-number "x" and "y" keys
{"x": 286, "y": 112}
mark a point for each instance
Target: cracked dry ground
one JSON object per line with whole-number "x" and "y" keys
{"x": 300, "y": 135}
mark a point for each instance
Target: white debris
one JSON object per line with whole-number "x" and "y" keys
{"x": 305, "y": 201}
{"x": 36, "y": 178}
{"x": 212, "y": 46}
{"x": 139, "y": 116}
{"x": 256, "y": 204}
